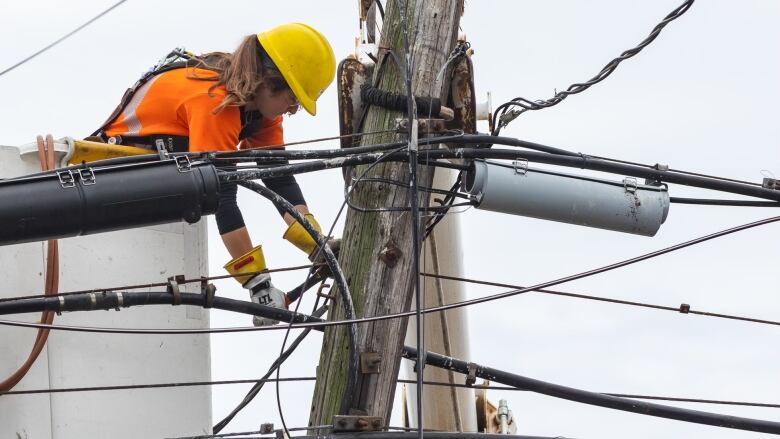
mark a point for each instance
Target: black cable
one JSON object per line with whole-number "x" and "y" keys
{"x": 752, "y": 183}
{"x": 503, "y": 119}
{"x": 401, "y": 381}
{"x": 58, "y": 303}
{"x": 111, "y": 300}
{"x": 448, "y": 203}
{"x": 59, "y": 40}
{"x": 338, "y": 277}
{"x": 244, "y": 433}
{"x": 273, "y": 156}
{"x": 158, "y": 284}
{"x": 682, "y": 309}
{"x": 411, "y": 111}
{"x": 578, "y": 161}
{"x": 274, "y": 366}
{"x": 707, "y": 202}
{"x": 620, "y": 395}
{"x": 592, "y": 398}
{"x": 259, "y": 381}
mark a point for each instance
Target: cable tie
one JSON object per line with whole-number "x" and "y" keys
{"x": 208, "y": 295}
{"x": 120, "y": 300}
{"x": 685, "y": 308}
{"x": 92, "y": 301}
{"x": 61, "y": 304}
{"x": 471, "y": 376}
{"x": 173, "y": 288}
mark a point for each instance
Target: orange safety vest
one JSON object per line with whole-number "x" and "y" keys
{"x": 172, "y": 103}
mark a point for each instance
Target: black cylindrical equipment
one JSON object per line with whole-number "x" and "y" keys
{"x": 98, "y": 199}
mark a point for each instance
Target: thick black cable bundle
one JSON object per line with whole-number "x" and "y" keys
{"x": 338, "y": 278}
{"x": 259, "y": 385}
{"x": 396, "y": 101}
{"x": 592, "y": 398}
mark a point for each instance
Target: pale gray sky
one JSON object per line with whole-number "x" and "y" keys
{"x": 701, "y": 98}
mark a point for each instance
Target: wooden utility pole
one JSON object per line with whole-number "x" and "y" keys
{"x": 376, "y": 250}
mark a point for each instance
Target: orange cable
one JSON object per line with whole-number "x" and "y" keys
{"x": 51, "y": 280}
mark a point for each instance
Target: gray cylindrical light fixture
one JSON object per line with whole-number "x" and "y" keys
{"x": 622, "y": 206}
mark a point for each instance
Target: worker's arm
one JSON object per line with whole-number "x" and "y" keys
{"x": 270, "y": 135}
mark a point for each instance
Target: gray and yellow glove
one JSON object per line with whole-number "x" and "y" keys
{"x": 261, "y": 290}
{"x": 297, "y": 235}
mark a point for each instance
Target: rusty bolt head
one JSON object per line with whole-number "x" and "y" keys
{"x": 362, "y": 423}
{"x": 376, "y": 423}
{"x": 342, "y": 422}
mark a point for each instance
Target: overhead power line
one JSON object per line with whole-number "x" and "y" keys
{"x": 62, "y": 38}
{"x": 109, "y": 300}
{"x": 401, "y": 381}
{"x": 682, "y": 309}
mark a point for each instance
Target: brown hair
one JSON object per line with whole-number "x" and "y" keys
{"x": 240, "y": 72}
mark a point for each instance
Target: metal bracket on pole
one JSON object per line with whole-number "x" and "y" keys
{"x": 345, "y": 423}
{"x": 369, "y": 362}
{"x": 425, "y": 126}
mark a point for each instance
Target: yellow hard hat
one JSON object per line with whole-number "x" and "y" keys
{"x": 305, "y": 59}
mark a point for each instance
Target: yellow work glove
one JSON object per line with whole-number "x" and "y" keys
{"x": 261, "y": 290}
{"x": 250, "y": 262}
{"x": 297, "y": 235}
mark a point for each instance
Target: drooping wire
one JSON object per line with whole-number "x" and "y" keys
{"x": 503, "y": 116}
{"x": 682, "y": 309}
{"x": 275, "y": 366}
{"x": 62, "y": 38}
{"x": 446, "y": 307}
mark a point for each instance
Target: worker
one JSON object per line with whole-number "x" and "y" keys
{"x": 227, "y": 101}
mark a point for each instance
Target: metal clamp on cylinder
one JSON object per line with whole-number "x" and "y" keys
{"x": 173, "y": 288}
{"x": 471, "y": 376}
{"x": 120, "y": 301}
{"x": 208, "y": 291}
